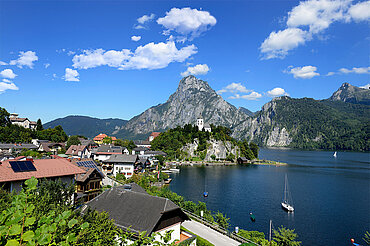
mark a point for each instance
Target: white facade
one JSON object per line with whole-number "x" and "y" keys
{"x": 102, "y": 157}
{"x": 175, "y": 235}
{"x": 200, "y": 124}
{"x": 125, "y": 169}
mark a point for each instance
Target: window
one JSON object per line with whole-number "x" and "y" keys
{"x": 127, "y": 168}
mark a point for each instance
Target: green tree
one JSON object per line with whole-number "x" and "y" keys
{"x": 285, "y": 237}
{"x": 107, "y": 140}
{"x": 213, "y": 157}
{"x": 72, "y": 140}
{"x": 222, "y": 220}
{"x": 367, "y": 238}
{"x": 39, "y": 126}
{"x": 4, "y": 117}
{"x": 254, "y": 148}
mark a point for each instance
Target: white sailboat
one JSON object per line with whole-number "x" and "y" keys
{"x": 335, "y": 154}
{"x": 287, "y": 202}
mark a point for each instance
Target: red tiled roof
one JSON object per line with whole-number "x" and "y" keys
{"x": 113, "y": 138}
{"x": 18, "y": 158}
{"x": 44, "y": 168}
{"x": 155, "y": 134}
{"x": 100, "y": 137}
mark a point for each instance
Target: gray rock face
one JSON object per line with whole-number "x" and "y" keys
{"x": 193, "y": 98}
{"x": 351, "y": 94}
{"x": 263, "y": 129}
{"x": 218, "y": 148}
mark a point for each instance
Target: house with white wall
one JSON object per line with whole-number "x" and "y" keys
{"x": 123, "y": 164}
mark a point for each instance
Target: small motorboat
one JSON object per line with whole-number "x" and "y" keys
{"x": 253, "y": 218}
{"x": 205, "y": 194}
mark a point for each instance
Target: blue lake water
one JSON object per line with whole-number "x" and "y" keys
{"x": 331, "y": 196}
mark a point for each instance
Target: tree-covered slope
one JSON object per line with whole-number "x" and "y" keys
{"x": 87, "y": 126}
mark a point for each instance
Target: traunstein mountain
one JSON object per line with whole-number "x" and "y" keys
{"x": 193, "y": 98}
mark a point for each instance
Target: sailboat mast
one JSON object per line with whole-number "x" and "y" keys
{"x": 285, "y": 188}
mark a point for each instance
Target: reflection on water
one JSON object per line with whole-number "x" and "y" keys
{"x": 331, "y": 195}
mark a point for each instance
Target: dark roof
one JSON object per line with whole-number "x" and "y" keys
{"x": 141, "y": 142}
{"x": 74, "y": 149}
{"x": 89, "y": 163}
{"x": 87, "y": 142}
{"x": 137, "y": 211}
{"x": 140, "y": 149}
{"x": 110, "y": 148}
{"x": 133, "y": 187}
{"x": 243, "y": 159}
{"x": 153, "y": 152}
{"x": 122, "y": 159}
{"x": 17, "y": 146}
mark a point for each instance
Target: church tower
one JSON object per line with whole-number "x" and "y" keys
{"x": 200, "y": 123}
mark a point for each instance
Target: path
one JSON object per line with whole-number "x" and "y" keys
{"x": 207, "y": 233}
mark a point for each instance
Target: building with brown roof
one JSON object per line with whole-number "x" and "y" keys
{"x": 51, "y": 147}
{"x": 24, "y": 122}
{"x": 78, "y": 151}
{"x": 153, "y": 135}
{"x": 14, "y": 173}
{"x": 99, "y": 138}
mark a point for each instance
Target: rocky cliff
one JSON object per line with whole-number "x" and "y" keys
{"x": 193, "y": 98}
{"x": 351, "y": 94}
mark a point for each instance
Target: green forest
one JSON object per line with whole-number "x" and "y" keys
{"x": 10, "y": 133}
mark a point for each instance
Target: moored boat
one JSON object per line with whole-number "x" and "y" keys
{"x": 287, "y": 202}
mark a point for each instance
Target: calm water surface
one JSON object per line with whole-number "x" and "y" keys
{"x": 331, "y": 196}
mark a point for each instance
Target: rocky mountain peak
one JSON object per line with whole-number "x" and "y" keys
{"x": 351, "y": 94}
{"x": 192, "y": 83}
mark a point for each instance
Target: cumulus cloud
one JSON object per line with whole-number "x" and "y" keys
{"x": 276, "y": 92}
{"x": 149, "y": 56}
{"x": 360, "y": 11}
{"x": 71, "y": 75}
{"x": 187, "y": 21}
{"x": 279, "y": 43}
{"x": 196, "y": 70}
{"x": 8, "y": 74}
{"x": 366, "y": 86}
{"x": 310, "y": 19}
{"x": 252, "y": 96}
{"x": 330, "y": 73}
{"x": 135, "y": 38}
{"x": 7, "y": 85}
{"x": 306, "y": 72}
{"x": 234, "y": 88}
{"x": 143, "y": 20}
{"x": 25, "y": 59}
{"x": 358, "y": 70}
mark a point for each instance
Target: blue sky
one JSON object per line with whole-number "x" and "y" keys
{"x": 115, "y": 59}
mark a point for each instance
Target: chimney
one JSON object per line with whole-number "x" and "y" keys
{"x": 29, "y": 158}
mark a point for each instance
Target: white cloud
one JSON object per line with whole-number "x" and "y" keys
{"x": 187, "y": 21}
{"x": 358, "y": 70}
{"x": 69, "y": 53}
{"x": 46, "y": 65}
{"x": 3, "y": 63}
{"x": 71, "y": 75}
{"x": 306, "y": 72}
{"x": 360, "y": 11}
{"x": 7, "y": 85}
{"x": 317, "y": 15}
{"x": 25, "y": 59}
{"x": 135, "y": 38}
{"x": 279, "y": 43}
{"x": 252, "y": 96}
{"x": 196, "y": 70}
{"x": 330, "y": 73}
{"x": 234, "y": 88}
{"x": 308, "y": 20}
{"x": 100, "y": 57}
{"x": 365, "y": 86}
{"x": 145, "y": 18}
{"x": 149, "y": 56}
{"x": 8, "y": 73}
{"x": 276, "y": 92}
{"x": 156, "y": 56}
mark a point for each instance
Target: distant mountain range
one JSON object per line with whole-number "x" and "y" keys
{"x": 340, "y": 122}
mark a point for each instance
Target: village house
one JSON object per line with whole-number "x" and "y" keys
{"x": 14, "y": 173}
{"x": 133, "y": 209}
{"x": 89, "y": 143}
{"x": 139, "y": 150}
{"x": 51, "y": 147}
{"x": 88, "y": 184}
{"x": 24, "y": 122}
{"x": 104, "y": 152}
{"x": 142, "y": 143}
{"x": 99, "y": 138}
{"x": 16, "y": 147}
{"x": 123, "y": 164}
{"x": 78, "y": 151}
{"x": 201, "y": 125}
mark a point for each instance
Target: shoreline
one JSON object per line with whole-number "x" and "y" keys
{"x": 200, "y": 163}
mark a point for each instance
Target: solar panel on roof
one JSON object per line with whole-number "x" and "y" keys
{"x": 22, "y": 166}
{"x": 90, "y": 164}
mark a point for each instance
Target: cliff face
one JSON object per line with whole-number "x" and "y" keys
{"x": 263, "y": 128}
{"x": 351, "y": 94}
{"x": 218, "y": 148}
{"x": 193, "y": 98}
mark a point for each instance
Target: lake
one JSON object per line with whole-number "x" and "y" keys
{"x": 331, "y": 196}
